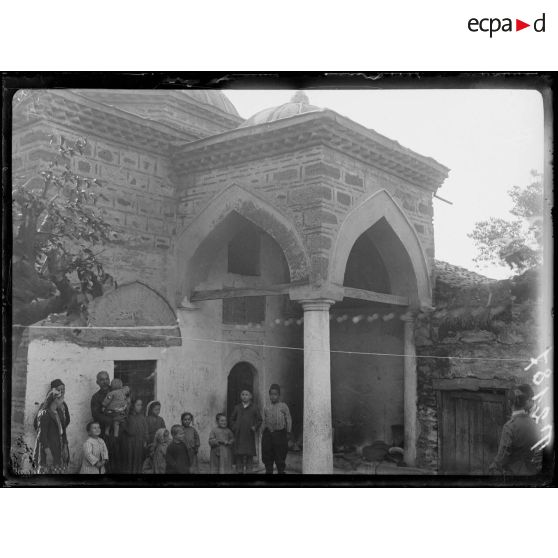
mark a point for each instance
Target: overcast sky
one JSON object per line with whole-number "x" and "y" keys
{"x": 490, "y": 139}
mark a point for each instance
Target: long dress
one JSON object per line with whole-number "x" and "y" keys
{"x": 49, "y": 436}
{"x": 94, "y": 449}
{"x": 134, "y": 442}
{"x": 192, "y": 441}
{"x": 64, "y": 416}
{"x": 244, "y": 422}
{"x": 220, "y": 457}
{"x": 159, "y": 459}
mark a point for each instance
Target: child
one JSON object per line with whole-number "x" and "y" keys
{"x": 115, "y": 405}
{"x": 245, "y": 420}
{"x": 95, "y": 453}
{"x": 176, "y": 456}
{"x": 221, "y": 440}
{"x": 277, "y": 425}
{"x": 191, "y": 439}
{"x": 161, "y": 444}
{"x": 154, "y": 421}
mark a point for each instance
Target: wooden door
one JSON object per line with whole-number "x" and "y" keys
{"x": 470, "y": 427}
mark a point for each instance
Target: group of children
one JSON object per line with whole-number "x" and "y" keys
{"x": 177, "y": 452}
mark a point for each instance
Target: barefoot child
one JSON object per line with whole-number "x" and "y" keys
{"x": 176, "y": 456}
{"x": 191, "y": 439}
{"x": 95, "y": 454}
{"x": 221, "y": 440}
{"x": 115, "y": 405}
{"x": 245, "y": 421}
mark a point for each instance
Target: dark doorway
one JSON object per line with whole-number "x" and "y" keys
{"x": 241, "y": 377}
{"x": 139, "y": 376}
{"x": 470, "y": 426}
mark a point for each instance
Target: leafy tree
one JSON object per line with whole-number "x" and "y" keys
{"x": 58, "y": 235}
{"x": 517, "y": 242}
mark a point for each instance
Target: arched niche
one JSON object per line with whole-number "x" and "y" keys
{"x": 251, "y": 207}
{"x": 394, "y": 239}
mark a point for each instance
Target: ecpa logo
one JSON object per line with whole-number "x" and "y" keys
{"x": 492, "y": 25}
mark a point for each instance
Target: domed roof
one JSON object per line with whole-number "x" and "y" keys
{"x": 299, "y": 104}
{"x": 123, "y": 98}
{"x": 213, "y": 97}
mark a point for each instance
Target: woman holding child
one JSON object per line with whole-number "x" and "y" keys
{"x": 49, "y": 446}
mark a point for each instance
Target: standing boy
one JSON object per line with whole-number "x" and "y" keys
{"x": 276, "y": 427}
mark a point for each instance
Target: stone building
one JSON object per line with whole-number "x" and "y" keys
{"x": 280, "y": 249}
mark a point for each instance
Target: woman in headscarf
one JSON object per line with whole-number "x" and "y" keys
{"x": 59, "y": 389}
{"x": 134, "y": 441}
{"x": 154, "y": 421}
{"x": 49, "y": 444}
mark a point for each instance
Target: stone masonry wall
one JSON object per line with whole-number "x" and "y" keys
{"x": 136, "y": 197}
{"x": 316, "y": 188}
{"x": 485, "y": 321}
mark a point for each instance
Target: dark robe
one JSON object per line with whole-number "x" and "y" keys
{"x": 153, "y": 424}
{"x": 49, "y": 435}
{"x": 64, "y": 416}
{"x": 515, "y": 456}
{"x": 177, "y": 459}
{"x": 133, "y": 440}
{"x": 97, "y": 410}
{"x": 242, "y": 422}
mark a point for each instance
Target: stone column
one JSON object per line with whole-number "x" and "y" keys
{"x": 410, "y": 391}
{"x": 317, "y": 451}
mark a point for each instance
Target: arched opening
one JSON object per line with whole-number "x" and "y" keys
{"x": 241, "y": 376}
{"x": 368, "y": 389}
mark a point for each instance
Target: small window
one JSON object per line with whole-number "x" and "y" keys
{"x": 244, "y": 310}
{"x": 244, "y": 253}
{"x": 139, "y": 376}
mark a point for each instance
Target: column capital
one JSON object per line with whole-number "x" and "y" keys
{"x": 410, "y": 316}
{"x": 320, "y": 304}
{"x": 326, "y": 291}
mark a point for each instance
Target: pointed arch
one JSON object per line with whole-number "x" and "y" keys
{"x": 409, "y": 270}
{"x": 235, "y": 199}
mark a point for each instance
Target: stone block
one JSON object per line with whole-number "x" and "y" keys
{"x": 354, "y": 180}
{"x": 419, "y": 228}
{"x": 318, "y": 242}
{"x": 137, "y": 222}
{"x": 286, "y": 175}
{"x": 36, "y": 136}
{"x": 480, "y": 336}
{"x": 83, "y": 166}
{"x": 317, "y": 217}
{"x": 129, "y": 159}
{"x": 426, "y": 209}
{"x": 125, "y": 201}
{"x": 343, "y": 198}
{"x": 147, "y": 164}
{"x": 107, "y": 155}
{"x": 322, "y": 169}
{"x": 308, "y": 195}
{"x": 138, "y": 180}
{"x": 113, "y": 175}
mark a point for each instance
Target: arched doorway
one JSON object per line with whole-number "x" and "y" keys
{"x": 242, "y": 376}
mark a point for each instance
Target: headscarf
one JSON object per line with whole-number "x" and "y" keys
{"x": 149, "y": 405}
{"x": 56, "y": 383}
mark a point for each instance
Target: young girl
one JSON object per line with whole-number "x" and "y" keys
{"x": 162, "y": 440}
{"x": 95, "y": 453}
{"x": 221, "y": 440}
{"x": 191, "y": 439}
{"x": 154, "y": 421}
{"x": 135, "y": 439}
{"x": 245, "y": 420}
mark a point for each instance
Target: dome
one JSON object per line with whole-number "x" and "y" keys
{"x": 125, "y": 98}
{"x": 213, "y": 97}
{"x": 299, "y": 104}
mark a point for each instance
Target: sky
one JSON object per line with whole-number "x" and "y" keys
{"x": 490, "y": 139}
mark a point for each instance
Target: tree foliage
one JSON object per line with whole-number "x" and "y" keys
{"x": 58, "y": 235}
{"x": 515, "y": 242}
